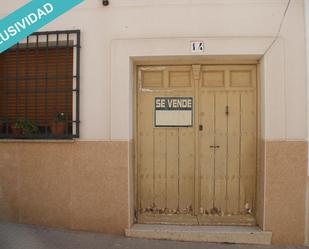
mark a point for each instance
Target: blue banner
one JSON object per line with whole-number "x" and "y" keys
{"x": 30, "y": 18}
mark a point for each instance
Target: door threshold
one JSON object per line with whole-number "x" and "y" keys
{"x": 188, "y": 219}
{"x": 214, "y": 234}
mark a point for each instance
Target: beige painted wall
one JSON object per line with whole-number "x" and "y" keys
{"x": 307, "y": 214}
{"x": 285, "y": 179}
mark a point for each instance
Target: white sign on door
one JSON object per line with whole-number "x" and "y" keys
{"x": 173, "y": 112}
{"x": 197, "y": 46}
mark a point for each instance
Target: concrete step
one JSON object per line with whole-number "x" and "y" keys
{"x": 216, "y": 234}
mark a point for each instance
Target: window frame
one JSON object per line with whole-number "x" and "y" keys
{"x": 53, "y": 40}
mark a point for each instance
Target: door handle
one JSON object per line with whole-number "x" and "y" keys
{"x": 214, "y": 146}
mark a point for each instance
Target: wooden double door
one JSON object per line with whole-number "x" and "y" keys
{"x": 204, "y": 173}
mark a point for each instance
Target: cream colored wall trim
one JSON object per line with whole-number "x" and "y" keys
{"x": 124, "y": 51}
{"x": 276, "y": 123}
{"x": 123, "y": 55}
{"x": 274, "y": 92}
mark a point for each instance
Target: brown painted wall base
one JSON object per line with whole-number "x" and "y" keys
{"x": 285, "y": 191}
{"x": 307, "y": 214}
{"x": 78, "y": 185}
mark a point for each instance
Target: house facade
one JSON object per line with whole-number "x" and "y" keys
{"x": 187, "y": 112}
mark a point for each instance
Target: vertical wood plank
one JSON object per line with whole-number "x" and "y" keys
{"x": 146, "y": 149}
{"x": 233, "y": 153}
{"x": 248, "y": 148}
{"x": 172, "y": 168}
{"x": 197, "y": 172}
{"x": 159, "y": 165}
{"x": 206, "y": 139}
{"x": 220, "y": 153}
{"x": 186, "y": 168}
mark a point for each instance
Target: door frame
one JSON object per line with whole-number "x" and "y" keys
{"x": 185, "y": 62}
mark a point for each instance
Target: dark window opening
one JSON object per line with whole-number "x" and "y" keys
{"x": 39, "y": 87}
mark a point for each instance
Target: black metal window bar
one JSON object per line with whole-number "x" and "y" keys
{"x": 40, "y": 87}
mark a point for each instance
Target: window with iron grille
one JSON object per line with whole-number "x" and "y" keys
{"x": 39, "y": 87}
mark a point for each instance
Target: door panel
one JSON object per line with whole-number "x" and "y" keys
{"x": 222, "y": 181}
{"x": 167, "y": 155}
{"x": 231, "y": 126}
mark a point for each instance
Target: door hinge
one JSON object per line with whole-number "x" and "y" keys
{"x": 214, "y": 146}
{"x": 227, "y": 110}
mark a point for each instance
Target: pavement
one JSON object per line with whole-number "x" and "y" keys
{"x": 17, "y": 236}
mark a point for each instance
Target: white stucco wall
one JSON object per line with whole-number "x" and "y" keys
{"x": 164, "y": 27}
{"x": 306, "y": 11}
